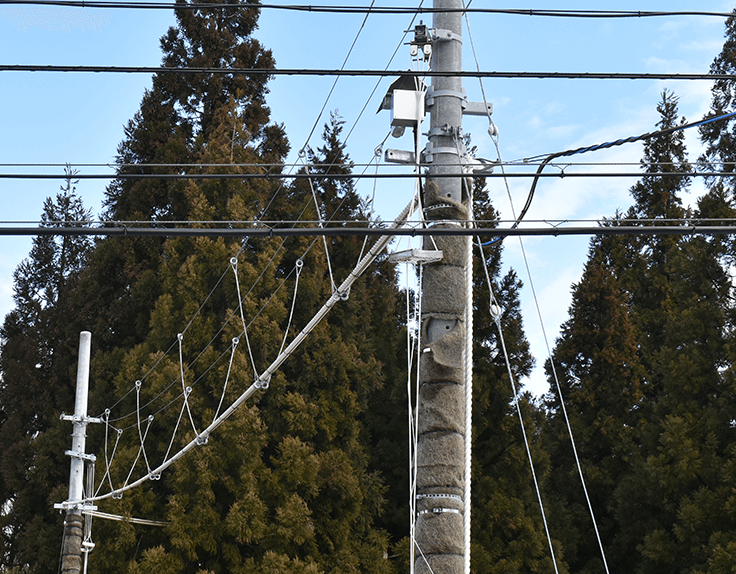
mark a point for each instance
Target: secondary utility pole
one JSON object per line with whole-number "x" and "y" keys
{"x": 441, "y": 458}
{"x": 73, "y": 545}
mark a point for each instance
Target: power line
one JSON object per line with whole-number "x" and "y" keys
{"x": 367, "y": 73}
{"x": 518, "y": 163}
{"x": 618, "y": 14}
{"x": 126, "y": 231}
{"x": 343, "y": 176}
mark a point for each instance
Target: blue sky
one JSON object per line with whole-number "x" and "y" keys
{"x": 79, "y": 118}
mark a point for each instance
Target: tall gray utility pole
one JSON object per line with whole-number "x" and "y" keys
{"x": 441, "y": 459}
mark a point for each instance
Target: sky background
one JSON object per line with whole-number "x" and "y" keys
{"x": 58, "y": 118}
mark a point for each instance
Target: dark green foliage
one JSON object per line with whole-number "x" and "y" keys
{"x": 643, "y": 364}
{"x": 507, "y": 530}
{"x": 37, "y": 362}
{"x": 286, "y": 482}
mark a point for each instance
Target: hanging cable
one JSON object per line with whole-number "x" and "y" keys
{"x": 321, "y": 223}
{"x": 468, "y": 379}
{"x": 495, "y": 310}
{"x": 494, "y": 138}
{"x": 608, "y": 145}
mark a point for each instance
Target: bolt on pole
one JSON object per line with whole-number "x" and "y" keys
{"x": 441, "y": 461}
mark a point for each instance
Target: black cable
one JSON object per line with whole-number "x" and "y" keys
{"x": 244, "y": 176}
{"x": 370, "y": 231}
{"x": 616, "y": 143}
{"x": 368, "y": 73}
{"x": 528, "y": 162}
{"x": 364, "y": 9}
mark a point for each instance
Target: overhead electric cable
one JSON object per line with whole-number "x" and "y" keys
{"x": 690, "y": 229}
{"x": 616, "y": 143}
{"x": 363, "y": 9}
{"x": 332, "y": 89}
{"x": 533, "y": 161}
{"x": 410, "y": 175}
{"x": 382, "y": 73}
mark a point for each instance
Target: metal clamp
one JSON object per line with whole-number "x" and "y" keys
{"x": 442, "y": 495}
{"x": 446, "y": 131}
{"x": 429, "y": 151}
{"x": 432, "y": 94}
{"x": 439, "y": 510}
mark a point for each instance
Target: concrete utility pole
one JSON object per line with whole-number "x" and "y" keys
{"x": 441, "y": 480}
{"x": 71, "y": 554}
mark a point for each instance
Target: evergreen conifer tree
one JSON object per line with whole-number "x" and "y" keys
{"x": 37, "y": 373}
{"x": 642, "y": 368}
{"x": 287, "y": 483}
{"x": 507, "y": 529}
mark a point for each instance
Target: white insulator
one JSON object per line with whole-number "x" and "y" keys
{"x": 495, "y": 310}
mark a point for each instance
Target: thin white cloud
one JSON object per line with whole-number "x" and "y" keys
{"x": 55, "y": 19}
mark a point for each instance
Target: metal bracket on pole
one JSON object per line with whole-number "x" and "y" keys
{"x": 433, "y": 93}
{"x": 477, "y": 109}
{"x": 439, "y": 35}
{"x": 77, "y": 419}
{"x": 75, "y": 505}
{"x": 81, "y": 455}
{"x": 400, "y": 156}
{"x": 416, "y": 256}
{"x": 469, "y": 108}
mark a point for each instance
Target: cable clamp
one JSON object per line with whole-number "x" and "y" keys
{"x": 447, "y": 131}
{"x": 261, "y": 382}
{"x": 429, "y": 152}
{"x": 343, "y": 295}
{"x": 440, "y": 35}
{"x": 439, "y": 510}
{"x": 442, "y": 495}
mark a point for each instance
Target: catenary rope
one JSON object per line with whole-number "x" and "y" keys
{"x": 263, "y": 380}
{"x": 549, "y": 354}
